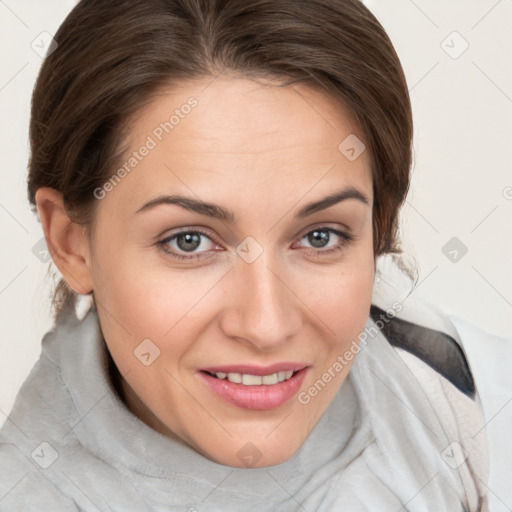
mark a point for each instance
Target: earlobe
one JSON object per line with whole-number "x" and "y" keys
{"x": 65, "y": 240}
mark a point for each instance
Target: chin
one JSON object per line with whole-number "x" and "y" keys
{"x": 260, "y": 452}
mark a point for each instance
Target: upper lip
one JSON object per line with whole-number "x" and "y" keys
{"x": 256, "y": 370}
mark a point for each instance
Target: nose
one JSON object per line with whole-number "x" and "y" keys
{"x": 263, "y": 310}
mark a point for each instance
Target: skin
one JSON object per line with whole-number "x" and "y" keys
{"x": 263, "y": 152}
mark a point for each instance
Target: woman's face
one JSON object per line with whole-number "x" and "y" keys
{"x": 259, "y": 283}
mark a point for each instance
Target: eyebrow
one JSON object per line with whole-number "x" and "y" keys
{"x": 218, "y": 212}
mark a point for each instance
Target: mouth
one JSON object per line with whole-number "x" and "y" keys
{"x": 253, "y": 387}
{"x": 248, "y": 379}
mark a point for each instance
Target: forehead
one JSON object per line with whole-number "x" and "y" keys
{"x": 254, "y": 111}
{"x": 232, "y": 133}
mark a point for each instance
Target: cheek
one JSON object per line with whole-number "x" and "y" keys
{"x": 124, "y": 283}
{"x": 343, "y": 300}
{"x": 139, "y": 299}
{"x": 132, "y": 298}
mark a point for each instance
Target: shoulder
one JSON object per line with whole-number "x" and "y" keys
{"x": 437, "y": 349}
{"x": 30, "y": 449}
{"x": 440, "y": 366}
{"x": 490, "y": 358}
{"x": 23, "y": 483}
{"x": 454, "y": 349}
{"x": 465, "y": 372}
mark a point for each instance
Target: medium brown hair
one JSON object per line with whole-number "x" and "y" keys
{"x": 112, "y": 55}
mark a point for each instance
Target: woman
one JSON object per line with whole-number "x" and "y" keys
{"x": 221, "y": 178}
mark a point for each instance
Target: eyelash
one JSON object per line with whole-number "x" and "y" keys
{"x": 345, "y": 237}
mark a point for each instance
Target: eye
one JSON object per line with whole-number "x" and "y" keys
{"x": 319, "y": 239}
{"x": 186, "y": 241}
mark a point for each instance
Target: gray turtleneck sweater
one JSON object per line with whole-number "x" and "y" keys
{"x": 70, "y": 443}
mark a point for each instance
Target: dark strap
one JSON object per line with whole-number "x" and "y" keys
{"x": 437, "y": 349}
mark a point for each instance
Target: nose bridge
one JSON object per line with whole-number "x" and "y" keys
{"x": 263, "y": 309}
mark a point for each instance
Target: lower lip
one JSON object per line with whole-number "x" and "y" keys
{"x": 258, "y": 398}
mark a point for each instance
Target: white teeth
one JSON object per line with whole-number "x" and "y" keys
{"x": 270, "y": 379}
{"x": 255, "y": 380}
{"x": 235, "y": 377}
{"x": 251, "y": 380}
{"x": 284, "y": 375}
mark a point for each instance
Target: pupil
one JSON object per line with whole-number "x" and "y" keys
{"x": 318, "y": 237}
{"x": 190, "y": 238}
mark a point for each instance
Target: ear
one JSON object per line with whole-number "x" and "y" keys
{"x": 65, "y": 239}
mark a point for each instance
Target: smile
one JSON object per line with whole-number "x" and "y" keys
{"x": 255, "y": 388}
{"x": 255, "y": 380}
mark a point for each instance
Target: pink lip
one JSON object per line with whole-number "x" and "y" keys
{"x": 259, "y": 398}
